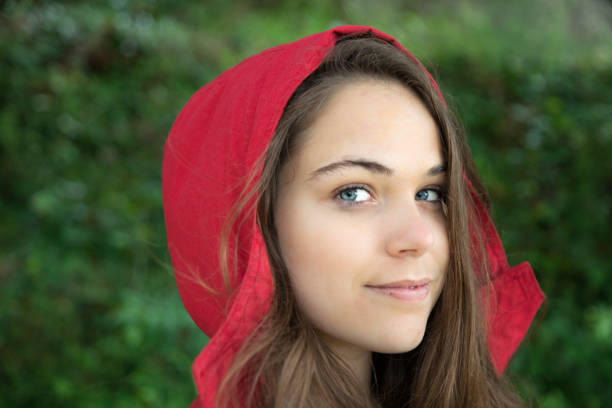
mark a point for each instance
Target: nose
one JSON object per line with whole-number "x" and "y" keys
{"x": 409, "y": 232}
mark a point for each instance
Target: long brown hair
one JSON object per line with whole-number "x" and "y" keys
{"x": 284, "y": 363}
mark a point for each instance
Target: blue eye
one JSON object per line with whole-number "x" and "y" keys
{"x": 429, "y": 194}
{"x": 353, "y": 195}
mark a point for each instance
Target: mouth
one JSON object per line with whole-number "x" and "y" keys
{"x": 405, "y": 290}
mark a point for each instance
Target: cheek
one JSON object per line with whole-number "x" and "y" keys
{"x": 326, "y": 254}
{"x": 318, "y": 241}
{"x": 440, "y": 255}
{"x": 440, "y": 250}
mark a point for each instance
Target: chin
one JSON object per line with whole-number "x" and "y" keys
{"x": 396, "y": 345}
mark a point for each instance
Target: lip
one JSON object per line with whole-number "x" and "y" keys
{"x": 405, "y": 290}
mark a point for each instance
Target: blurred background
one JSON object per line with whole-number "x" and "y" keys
{"x": 89, "y": 312}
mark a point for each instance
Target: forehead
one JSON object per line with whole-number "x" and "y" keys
{"x": 381, "y": 120}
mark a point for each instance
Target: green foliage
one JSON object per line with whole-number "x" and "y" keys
{"x": 90, "y": 314}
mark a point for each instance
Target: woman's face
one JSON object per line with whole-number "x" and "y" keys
{"x": 360, "y": 222}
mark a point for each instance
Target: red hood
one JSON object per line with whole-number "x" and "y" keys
{"x": 213, "y": 144}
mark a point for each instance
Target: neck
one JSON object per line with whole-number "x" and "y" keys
{"x": 362, "y": 367}
{"x": 359, "y": 360}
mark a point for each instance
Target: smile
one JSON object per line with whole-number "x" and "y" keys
{"x": 407, "y": 291}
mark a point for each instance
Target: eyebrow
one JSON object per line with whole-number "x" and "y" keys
{"x": 372, "y": 166}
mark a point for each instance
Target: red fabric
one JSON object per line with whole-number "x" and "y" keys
{"x": 213, "y": 143}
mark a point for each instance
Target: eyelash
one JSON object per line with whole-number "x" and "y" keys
{"x": 441, "y": 191}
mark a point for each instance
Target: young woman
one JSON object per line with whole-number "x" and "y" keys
{"x": 329, "y": 234}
